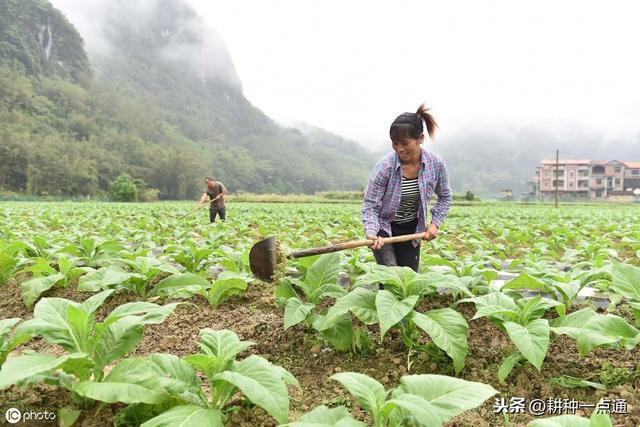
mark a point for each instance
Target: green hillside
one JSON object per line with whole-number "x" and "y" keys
{"x": 163, "y": 104}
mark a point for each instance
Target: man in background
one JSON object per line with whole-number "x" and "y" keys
{"x": 216, "y": 191}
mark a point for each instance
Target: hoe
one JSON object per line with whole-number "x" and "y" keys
{"x": 265, "y": 256}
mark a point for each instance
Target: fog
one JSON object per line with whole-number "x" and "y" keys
{"x": 508, "y": 82}
{"x": 179, "y": 33}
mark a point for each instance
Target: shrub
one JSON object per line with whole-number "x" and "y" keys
{"x": 123, "y": 189}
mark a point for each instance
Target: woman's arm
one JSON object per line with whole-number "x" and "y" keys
{"x": 440, "y": 209}
{"x": 376, "y": 189}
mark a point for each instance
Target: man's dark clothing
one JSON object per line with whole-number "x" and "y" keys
{"x": 216, "y": 207}
{"x": 213, "y": 192}
{"x": 213, "y": 211}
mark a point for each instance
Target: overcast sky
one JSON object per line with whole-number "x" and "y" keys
{"x": 352, "y": 66}
{"x": 483, "y": 66}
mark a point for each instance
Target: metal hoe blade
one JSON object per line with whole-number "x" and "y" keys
{"x": 262, "y": 259}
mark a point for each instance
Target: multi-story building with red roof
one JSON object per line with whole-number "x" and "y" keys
{"x": 587, "y": 179}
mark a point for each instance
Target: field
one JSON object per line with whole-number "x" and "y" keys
{"x": 126, "y": 314}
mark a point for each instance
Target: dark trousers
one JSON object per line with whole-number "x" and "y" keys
{"x": 402, "y": 254}
{"x": 213, "y": 211}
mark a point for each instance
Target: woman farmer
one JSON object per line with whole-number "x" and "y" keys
{"x": 399, "y": 190}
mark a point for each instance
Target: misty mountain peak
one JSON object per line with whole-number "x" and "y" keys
{"x": 169, "y": 31}
{"x": 37, "y": 38}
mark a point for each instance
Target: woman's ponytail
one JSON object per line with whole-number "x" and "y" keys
{"x": 430, "y": 122}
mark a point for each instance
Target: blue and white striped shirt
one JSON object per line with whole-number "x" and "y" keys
{"x": 408, "y": 209}
{"x": 384, "y": 192}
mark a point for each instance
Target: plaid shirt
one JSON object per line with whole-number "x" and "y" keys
{"x": 382, "y": 198}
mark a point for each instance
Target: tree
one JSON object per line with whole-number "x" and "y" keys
{"x": 123, "y": 189}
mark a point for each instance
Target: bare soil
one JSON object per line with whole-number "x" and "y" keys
{"x": 254, "y": 316}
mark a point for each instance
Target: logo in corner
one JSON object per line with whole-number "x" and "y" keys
{"x": 13, "y": 415}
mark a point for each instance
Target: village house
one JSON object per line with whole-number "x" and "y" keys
{"x": 585, "y": 179}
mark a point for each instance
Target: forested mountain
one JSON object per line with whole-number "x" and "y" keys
{"x": 160, "y": 101}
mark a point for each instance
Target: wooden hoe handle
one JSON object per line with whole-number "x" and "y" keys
{"x": 352, "y": 244}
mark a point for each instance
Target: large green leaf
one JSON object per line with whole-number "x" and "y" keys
{"x": 122, "y": 329}
{"x": 324, "y": 271}
{"x": 24, "y": 367}
{"x": 420, "y": 284}
{"x": 567, "y": 381}
{"x": 7, "y": 267}
{"x": 591, "y": 330}
{"x": 50, "y": 320}
{"x": 448, "y": 396}
{"x": 262, "y": 384}
{"x": 525, "y": 281}
{"x": 340, "y": 334}
{"x": 363, "y": 305}
{"x": 626, "y": 280}
{"x": 369, "y": 393}
{"x": 284, "y": 291}
{"x": 361, "y": 302}
{"x": 448, "y": 281}
{"x": 325, "y": 291}
{"x": 41, "y": 267}
{"x": 303, "y": 264}
{"x": 8, "y": 343}
{"x": 177, "y": 377}
{"x": 189, "y": 282}
{"x": 534, "y": 307}
{"x": 295, "y": 312}
{"x": 6, "y": 325}
{"x": 604, "y": 329}
{"x": 224, "y": 343}
{"x": 33, "y": 288}
{"x": 66, "y": 267}
{"x": 437, "y": 260}
{"x": 130, "y": 381}
{"x": 493, "y": 298}
{"x": 381, "y": 274}
{"x": 204, "y": 363}
{"x": 220, "y": 349}
{"x": 117, "y": 339}
{"x": 495, "y": 311}
{"x": 494, "y": 304}
{"x": 572, "y": 324}
{"x": 63, "y": 322}
{"x": 569, "y": 291}
{"x": 531, "y": 340}
{"x": 152, "y": 312}
{"x": 414, "y": 409}
{"x": 67, "y": 416}
{"x": 508, "y": 364}
{"x": 448, "y": 330}
{"x": 323, "y": 416}
{"x": 391, "y": 310}
{"x": 91, "y": 304}
{"x": 224, "y": 288}
{"x": 187, "y": 416}
{"x": 600, "y": 419}
{"x": 401, "y": 281}
{"x": 103, "y": 278}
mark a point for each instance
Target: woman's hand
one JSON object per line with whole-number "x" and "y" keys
{"x": 378, "y": 242}
{"x": 431, "y": 233}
